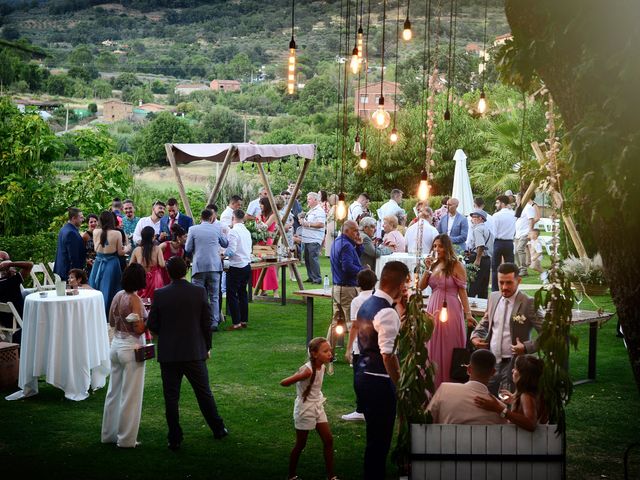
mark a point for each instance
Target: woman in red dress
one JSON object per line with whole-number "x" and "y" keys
{"x": 173, "y": 248}
{"x": 270, "y": 281}
{"x": 150, "y": 257}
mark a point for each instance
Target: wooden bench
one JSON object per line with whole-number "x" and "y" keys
{"x": 486, "y": 452}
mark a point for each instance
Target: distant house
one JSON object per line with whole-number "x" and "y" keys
{"x": 225, "y": 85}
{"x": 144, "y": 109}
{"x": 502, "y": 39}
{"x": 187, "y": 88}
{"x": 473, "y": 48}
{"x": 116, "y": 110}
{"x": 366, "y": 101}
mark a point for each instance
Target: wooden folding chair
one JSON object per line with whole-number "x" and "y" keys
{"x": 47, "y": 280}
{"x": 16, "y": 324}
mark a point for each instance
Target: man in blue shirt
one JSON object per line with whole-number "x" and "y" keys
{"x": 345, "y": 266}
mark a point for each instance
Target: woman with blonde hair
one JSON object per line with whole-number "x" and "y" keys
{"x": 392, "y": 239}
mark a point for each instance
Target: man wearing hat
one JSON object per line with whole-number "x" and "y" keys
{"x": 480, "y": 248}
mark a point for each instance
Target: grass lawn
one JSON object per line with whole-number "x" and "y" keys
{"x": 49, "y": 435}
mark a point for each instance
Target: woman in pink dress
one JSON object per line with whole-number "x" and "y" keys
{"x": 392, "y": 239}
{"x": 173, "y": 248}
{"x": 447, "y": 278}
{"x": 150, "y": 257}
{"x": 270, "y": 281}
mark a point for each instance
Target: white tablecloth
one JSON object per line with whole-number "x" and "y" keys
{"x": 66, "y": 339}
{"x": 409, "y": 259}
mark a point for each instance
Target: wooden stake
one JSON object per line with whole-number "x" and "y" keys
{"x": 226, "y": 164}
{"x": 558, "y": 200}
{"x": 183, "y": 194}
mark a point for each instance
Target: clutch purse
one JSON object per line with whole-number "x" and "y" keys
{"x": 145, "y": 352}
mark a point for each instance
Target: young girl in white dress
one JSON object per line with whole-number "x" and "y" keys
{"x": 308, "y": 409}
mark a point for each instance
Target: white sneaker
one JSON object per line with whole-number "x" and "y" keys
{"x": 353, "y": 417}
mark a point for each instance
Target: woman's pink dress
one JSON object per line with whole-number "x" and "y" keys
{"x": 270, "y": 281}
{"x": 450, "y": 334}
{"x": 167, "y": 254}
{"x": 154, "y": 281}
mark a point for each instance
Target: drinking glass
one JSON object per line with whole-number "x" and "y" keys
{"x": 579, "y": 297}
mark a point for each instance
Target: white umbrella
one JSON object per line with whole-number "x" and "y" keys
{"x": 462, "y": 184}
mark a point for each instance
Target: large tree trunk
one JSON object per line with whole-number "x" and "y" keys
{"x": 586, "y": 52}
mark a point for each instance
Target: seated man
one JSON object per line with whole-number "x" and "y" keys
{"x": 453, "y": 402}
{"x": 10, "y": 282}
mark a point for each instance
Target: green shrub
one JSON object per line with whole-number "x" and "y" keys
{"x": 37, "y": 248}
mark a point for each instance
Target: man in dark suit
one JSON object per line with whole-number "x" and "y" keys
{"x": 455, "y": 225}
{"x": 71, "y": 252}
{"x": 181, "y": 317}
{"x": 174, "y": 215}
{"x": 506, "y": 326}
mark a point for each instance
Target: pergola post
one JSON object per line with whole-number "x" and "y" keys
{"x": 568, "y": 221}
{"x": 223, "y": 174}
{"x": 280, "y": 226}
{"x": 183, "y": 194}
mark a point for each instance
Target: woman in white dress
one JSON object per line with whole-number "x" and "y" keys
{"x": 123, "y": 404}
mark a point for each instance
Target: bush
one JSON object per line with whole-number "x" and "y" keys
{"x": 37, "y": 248}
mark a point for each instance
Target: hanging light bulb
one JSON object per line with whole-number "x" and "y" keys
{"x": 355, "y": 61}
{"x": 393, "y": 138}
{"x": 407, "y": 34}
{"x": 339, "y": 329}
{"x": 291, "y": 77}
{"x": 360, "y": 43}
{"x": 482, "y": 104}
{"x": 444, "y": 315}
{"x": 357, "y": 148}
{"x": 363, "y": 163}
{"x": 341, "y": 207}
{"x": 381, "y": 118}
{"x": 423, "y": 188}
{"x": 447, "y": 114}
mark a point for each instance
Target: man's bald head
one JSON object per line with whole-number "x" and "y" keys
{"x": 3, "y": 256}
{"x": 452, "y": 205}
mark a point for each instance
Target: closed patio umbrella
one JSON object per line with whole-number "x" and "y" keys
{"x": 462, "y": 184}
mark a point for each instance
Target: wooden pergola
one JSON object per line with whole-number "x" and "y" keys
{"x": 229, "y": 153}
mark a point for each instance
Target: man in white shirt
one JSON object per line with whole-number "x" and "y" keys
{"x": 378, "y": 368}
{"x": 429, "y": 232}
{"x": 239, "y": 272}
{"x": 524, "y": 224}
{"x": 358, "y": 207}
{"x": 453, "y": 402}
{"x": 313, "y": 225}
{"x": 392, "y": 207}
{"x": 157, "y": 212}
{"x": 504, "y": 223}
{"x": 253, "y": 209}
{"x": 235, "y": 203}
{"x": 366, "y": 282}
{"x": 506, "y": 326}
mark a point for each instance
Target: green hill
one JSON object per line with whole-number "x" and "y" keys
{"x": 215, "y": 39}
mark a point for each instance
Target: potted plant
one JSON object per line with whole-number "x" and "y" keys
{"x": 586, "y": 274}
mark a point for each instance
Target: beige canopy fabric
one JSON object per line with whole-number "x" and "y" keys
{"x": 243, "y": 152}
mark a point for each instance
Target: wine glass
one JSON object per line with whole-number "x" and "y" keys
{"x": 579, "y": 297}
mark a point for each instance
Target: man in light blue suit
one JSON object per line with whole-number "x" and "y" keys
{"x": 455, "y": 225}
{"x": 203, "y": 245}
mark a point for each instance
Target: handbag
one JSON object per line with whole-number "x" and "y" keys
{"x": 146, "y": 351}
{"x": 460, "y": 358}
